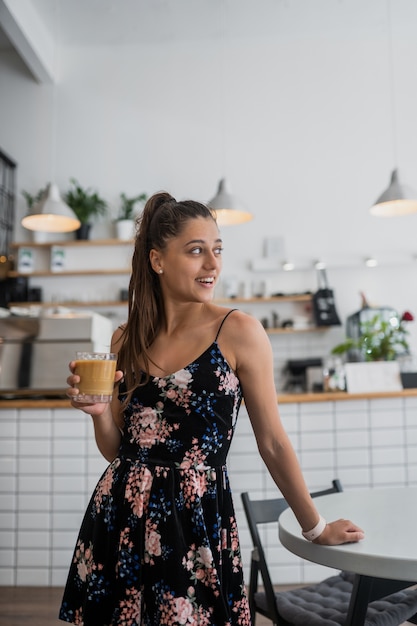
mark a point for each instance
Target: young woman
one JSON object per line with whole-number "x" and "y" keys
{"x": 159, "y": 542}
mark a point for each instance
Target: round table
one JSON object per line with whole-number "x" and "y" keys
{"x": 387, "y": 515}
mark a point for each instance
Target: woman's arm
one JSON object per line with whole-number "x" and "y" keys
{"x": 106, "y": 416}
{"x": 254, "y": 367}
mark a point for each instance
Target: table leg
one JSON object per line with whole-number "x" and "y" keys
{"x": 366, "y": 589}
{"x": 359, "y": 600}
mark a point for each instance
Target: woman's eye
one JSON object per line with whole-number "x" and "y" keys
{"x": 218, "y": 250}
{"x": 197, "y": 250}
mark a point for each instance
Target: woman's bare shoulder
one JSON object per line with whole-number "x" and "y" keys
{"x": 239, "y": 322}
{"x": 241, "y": 336}
{"x": 247, "y": 348}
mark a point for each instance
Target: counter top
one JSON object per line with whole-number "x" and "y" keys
{"x": 336, "y": 396}
{"x": 35, "y": 403}
{"x": 289, "y": 398}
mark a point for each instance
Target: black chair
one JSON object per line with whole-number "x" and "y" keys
{"x": 322, "y": 604}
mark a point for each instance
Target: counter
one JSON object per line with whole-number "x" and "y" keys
{"x": 289, "y": 398}
{"x": 35, "y": 403}
{"x": 301, "y": 398}
{"x": 49, "y": 465}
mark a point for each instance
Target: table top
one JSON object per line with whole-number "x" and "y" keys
{"x": 387, "y": 515}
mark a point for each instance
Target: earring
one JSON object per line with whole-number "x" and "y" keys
{"x": 161, "y": 271}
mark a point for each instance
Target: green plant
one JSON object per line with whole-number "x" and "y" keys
{"x": 127, "y": 206}
{"x": 32, "y": 200}
{"x": 85, "y": 203}
{"x": 380, "y": 339}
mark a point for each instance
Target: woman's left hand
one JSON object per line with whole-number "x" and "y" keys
{"x": 338, "y": 532}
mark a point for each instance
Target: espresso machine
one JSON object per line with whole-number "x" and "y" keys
{"x": 35, "y": 351}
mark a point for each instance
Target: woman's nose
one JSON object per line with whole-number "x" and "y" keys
{"x": 211, "y": 260}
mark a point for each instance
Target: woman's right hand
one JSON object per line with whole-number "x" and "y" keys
{"x": 91, "y": 408}
{"x": 340, "y": 531}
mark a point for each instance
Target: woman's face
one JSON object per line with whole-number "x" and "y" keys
{"x": 191, "y": 262}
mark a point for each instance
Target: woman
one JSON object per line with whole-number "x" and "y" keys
{"x": 159, "y": 543}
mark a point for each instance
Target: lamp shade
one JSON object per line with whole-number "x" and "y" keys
{"x": 227, "y": 208}
{"x": 51, "y": 214}
{"x": 397, "y": 199}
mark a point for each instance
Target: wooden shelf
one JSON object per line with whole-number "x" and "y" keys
{"x": 122, "y": 303}
{"x": 290, "y": 331}
{"x": 83, "y": 243}
{"x": 73, "y": 242}
{"x": 46, "y": 247}
{"x": 298, "y": 297}
{"x": 95, "y": 272}
{"x": 72, "y": 303}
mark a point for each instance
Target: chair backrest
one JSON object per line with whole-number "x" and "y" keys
{"x": 264, "y": 512}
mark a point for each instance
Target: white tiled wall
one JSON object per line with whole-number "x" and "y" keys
{"x": 49, "y": 465}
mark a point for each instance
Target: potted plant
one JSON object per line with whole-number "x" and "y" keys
{"x": 86, "y": 204}
{"x": 31, "y": 201}
{"x": 125, "y": 220}
{"x": 379, "y": 340}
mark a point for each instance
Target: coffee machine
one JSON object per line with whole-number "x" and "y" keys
{"x": 35, "y": 351}
{"x": 297, "y": 371}
{"x": 14, "y": 289}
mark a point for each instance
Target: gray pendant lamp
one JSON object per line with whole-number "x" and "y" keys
{"x": 51, "y": 214}
{"x": 397, "y": 199}
{"x": 227, "y": 208}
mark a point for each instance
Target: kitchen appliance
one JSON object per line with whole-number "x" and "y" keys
{"x": 298, "y": 371}
{"x": 35, "y": 351}
{"x": 13, "y": 289}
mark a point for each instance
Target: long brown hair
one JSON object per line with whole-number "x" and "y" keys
{"x": 162, "y": 219}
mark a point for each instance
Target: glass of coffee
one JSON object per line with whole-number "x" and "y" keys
{"x": 96, "y": 371}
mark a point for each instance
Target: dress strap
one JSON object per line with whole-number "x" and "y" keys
{"x": 223, "y": 321}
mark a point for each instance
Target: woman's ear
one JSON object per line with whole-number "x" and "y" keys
{"x": 155, "y": 260}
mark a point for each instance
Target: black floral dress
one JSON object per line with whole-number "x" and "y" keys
{"x": 159, "y": 543}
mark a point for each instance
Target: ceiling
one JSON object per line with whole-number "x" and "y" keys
{"x": 109, "y": 23}
{"x": 113, "y": 22}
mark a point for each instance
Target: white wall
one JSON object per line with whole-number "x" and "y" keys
{"x": 299, "y": 104}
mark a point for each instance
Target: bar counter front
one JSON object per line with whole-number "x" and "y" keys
{"x": 49, "y": 465}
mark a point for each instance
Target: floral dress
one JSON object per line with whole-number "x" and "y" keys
{"x": 159, "y": 543}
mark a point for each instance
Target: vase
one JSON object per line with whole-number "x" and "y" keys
{"x": 40, "y": 236}
{"x": 83, "y": 232}
{"x": 125, "y": 229}
{"x": 373, "y": 376}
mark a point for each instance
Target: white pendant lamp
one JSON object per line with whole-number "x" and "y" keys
{"x": 397, "y": 199}
{"x": 227, "y": 208}
{"x": 51, "y": 214}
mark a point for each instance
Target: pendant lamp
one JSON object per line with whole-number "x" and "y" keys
{"x": 397, "y": 199}
{"x": 227, "y": 208}
{"x": 51, "y": 214}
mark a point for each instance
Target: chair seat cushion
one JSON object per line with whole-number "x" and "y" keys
{"x": 327, "y": 603}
